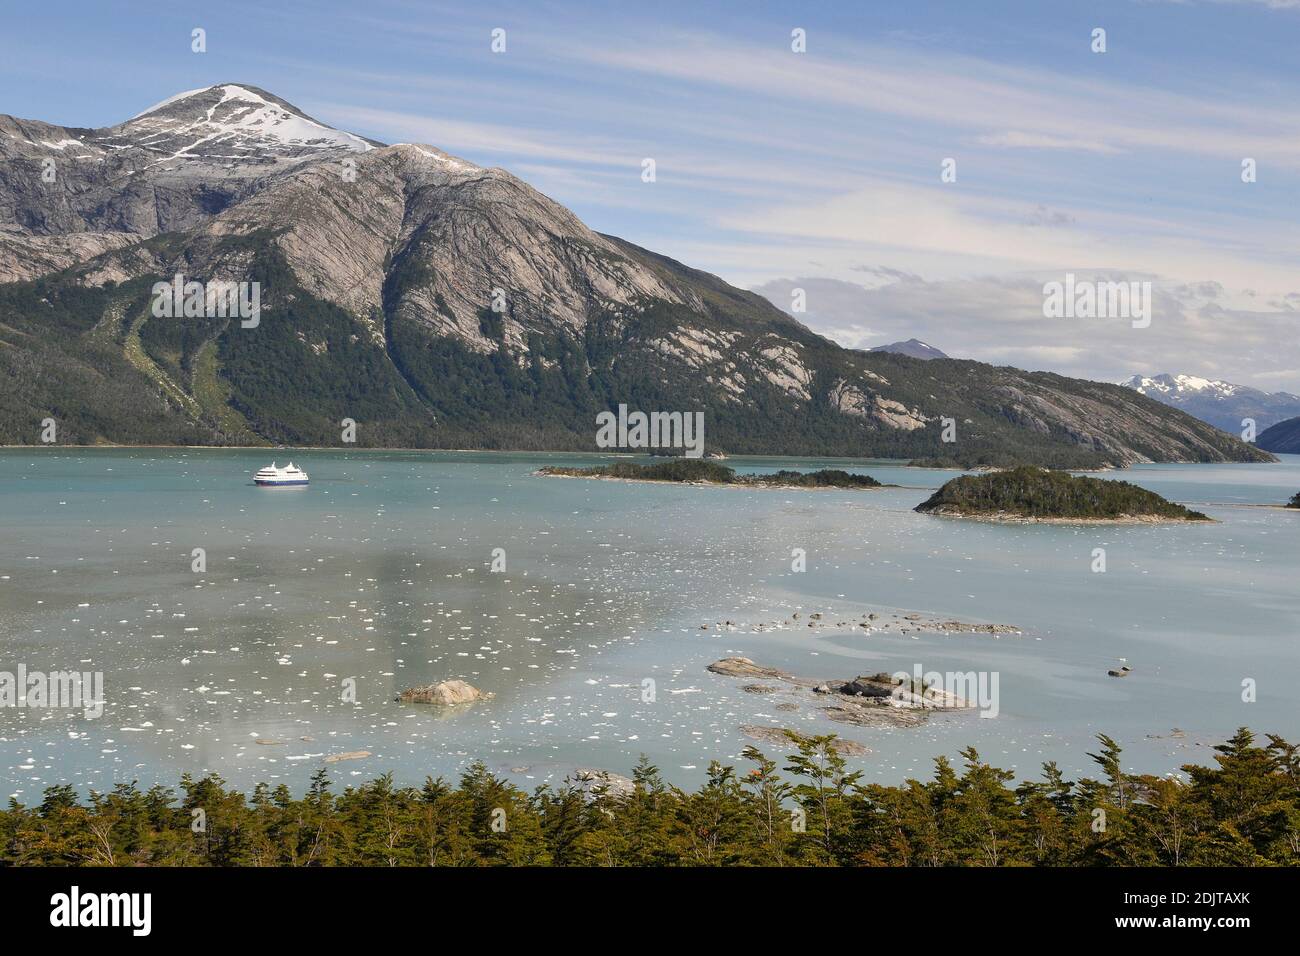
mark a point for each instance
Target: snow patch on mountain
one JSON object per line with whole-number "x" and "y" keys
{"x": 240, "y": 119}
{"x": 1166, "y": 384}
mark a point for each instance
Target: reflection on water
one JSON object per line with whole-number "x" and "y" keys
{"x": 377, "y": 576}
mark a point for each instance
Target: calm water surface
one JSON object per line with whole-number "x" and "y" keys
{"x": 378, "y": 573}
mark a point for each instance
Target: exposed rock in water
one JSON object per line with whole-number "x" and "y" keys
{"x": 759, "y": 689}
{"x": 744, "y": 667}
{"x": 877, "y": 685}
{"x": 1120, "y": 672}
{"x": 777, "y": 737}
{"x": 877, "y": 700}
{"x": 350, "y": 755}
{"x": 445, "y": 693}
{"x": 889, "y": 623}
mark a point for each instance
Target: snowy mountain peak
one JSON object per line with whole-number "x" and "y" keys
{"x": 912, "y": 347}
{"x": 1166, "y": 384}
{"x": 1220, "y": 403}
{"x": 230, "y": 122}
{"x": 442, "y": 159}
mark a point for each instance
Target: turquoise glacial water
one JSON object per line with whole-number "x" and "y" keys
{"x": 377, "y": 576}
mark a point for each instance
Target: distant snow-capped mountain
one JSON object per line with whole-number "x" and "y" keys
{"x": 913, "y": 347}
{"x": 1222, "y": 404}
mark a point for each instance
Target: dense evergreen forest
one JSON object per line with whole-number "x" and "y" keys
{"x": 807, "y": 810}
{"x": 699, "y": 469}
{"x": 1037, "y": 493}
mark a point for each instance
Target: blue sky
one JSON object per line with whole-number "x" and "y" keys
{"x": 817, "y": 170}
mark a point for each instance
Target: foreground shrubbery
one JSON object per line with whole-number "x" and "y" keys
{"x": 1037, "y": 493}
{"x": 1244, "y": 811}
{"x": 1295, "y": 501}
{"x": 699, "y": 469}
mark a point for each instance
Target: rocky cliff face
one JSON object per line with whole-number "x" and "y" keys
{"x": 438, "y": 303}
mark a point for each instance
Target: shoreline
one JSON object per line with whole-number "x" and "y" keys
{"x": 752, "y": 486}
{"x": 1006, "y": 517}
{"x": 890, "y": 462}
{"x": 879, "y": 620}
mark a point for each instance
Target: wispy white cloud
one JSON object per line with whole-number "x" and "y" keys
{"x": 975, "y": 95}
{"x": 1015, "y": 139}
{"x": 1270, "y": 4}
{"x": 963, "y": 232}
{"x": 999, "y": 319}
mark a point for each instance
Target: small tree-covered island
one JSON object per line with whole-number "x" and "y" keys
{"x": 701, "y": 471}
{"x": 1036, "y": 494}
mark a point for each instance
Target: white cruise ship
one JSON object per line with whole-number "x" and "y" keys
{"x": 290, "y": 474}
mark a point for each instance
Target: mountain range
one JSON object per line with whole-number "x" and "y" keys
{"x": 1222, "y": 404}
{"x": 437, "y": 303}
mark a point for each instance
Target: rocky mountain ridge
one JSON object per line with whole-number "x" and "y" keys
{"x": 438, "y": 303}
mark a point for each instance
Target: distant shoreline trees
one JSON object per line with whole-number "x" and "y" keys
{"x": 709, "y": 472}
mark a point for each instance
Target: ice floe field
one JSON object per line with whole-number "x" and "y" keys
{"x": 317, "y": 605}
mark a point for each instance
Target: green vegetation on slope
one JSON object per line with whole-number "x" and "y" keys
{"x": 98, "y": 362}
{"x": 699, "y": 469}
{"x": 1243, "y": 811}
{"x": 1037, "y": 493}
{"x": 1284, "y": 437}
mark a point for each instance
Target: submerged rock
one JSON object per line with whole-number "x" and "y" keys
{"x": 860, "y": 716}
{"x": 445, "y": 693}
